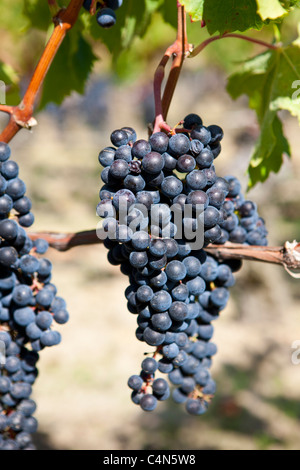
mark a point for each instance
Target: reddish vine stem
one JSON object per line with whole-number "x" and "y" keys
{"x": 287, "y": 255}
{"x": 21, "y": 115}
{"x": 205, "y": 43}
{"x": 178, "y": 50}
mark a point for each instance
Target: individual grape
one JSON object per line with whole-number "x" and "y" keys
{"x": 171, "y": 186}
{"x": 159, "y": 142}
{"x": 41, "y": 246}
{"x": 149, "y": 365}
{"x": 29, "y": 264}
{"x": 201, "y": 133}
{"x": 161, "y": 321}
{"x": 178, "y": 311}
{"x": 185, "y": 163}
{"x": 26, "y": 220}
{"x": 216, "y": 196}
{"x": 205, "y": 158}
{"x": 219, "y": 297}
{"x": 222, "y": 184}
{"x": 8, "y": 229}
{"x": 9, "y": 169}
{"x": 118, "y": 137}
{"x": 157, "y": 247}
{"x": 175, "y": 270}
{"x": 161, "y": 301}
{"x": 153, "y": 163}
{"x": 119, "y": 169}
{"x": 123, "y": 153}
{"x": 148, "y": 402}
{"x": 129, "y": 130}
{"x": 192, "y": 120}
{"x": 138, "y": 259}
{"x": 106, "y": 156}
{"x": 238, "y": 235}
{"x": 152, "y": 337}
{"x": 123, "y": 197}
{"x": 15, "y": 188}
{"x": 216, "y": 133}
{"x": 140, "y": 149}
{"x": 179, "y": 144}
{"x": 140, "y": 240}
{"x": 160, "y": 386}
{"x": 196, "y": 180}
{"x": 144, "y": 294}
{"x": 211, "y": 216}
{"x": 106, "y": 18}
{"x": 192, "y": 265}
{"x": 134, "y": 182}
{"x": 135, "y": 382}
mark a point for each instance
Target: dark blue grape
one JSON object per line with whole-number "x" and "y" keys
{"x": 185, "y": 163}
{"x": 179, "y": 144}
{"x": 148, "y": 402}
{"x": 192, "y": 120}
{"x": 140, "y": 149}
{"x": 159, "y": 142}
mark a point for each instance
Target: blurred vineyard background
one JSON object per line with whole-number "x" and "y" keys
{"x": 82, "y": 394}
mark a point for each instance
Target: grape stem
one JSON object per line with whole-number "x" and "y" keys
{"x": 205, "y": 43}
{"x": 21, "y": 116}
{"x": 287, "y": 255}
{"x": 179, "y": 51}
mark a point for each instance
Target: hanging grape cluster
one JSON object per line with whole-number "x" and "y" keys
{"x": 175, "y": 290}
{"x": 29, "y": 308}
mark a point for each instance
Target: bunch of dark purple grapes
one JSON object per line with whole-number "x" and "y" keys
{"x": 105, "y": 11}
{"x": 29, "y": 307}
{"x": 176, "y": 289}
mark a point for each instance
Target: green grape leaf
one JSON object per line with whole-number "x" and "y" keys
{"x": 275, "y": 145}
{"x": 272, "y": 82}
{"x": 37, "y": 13}
{"x": 70, "y": 68}
{"x": 194, "y": 8}
{"x": 231, "y": 15}
{"x": 270, "y": 9}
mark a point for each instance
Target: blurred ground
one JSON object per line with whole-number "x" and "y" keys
{"x": 82, "y": 394}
